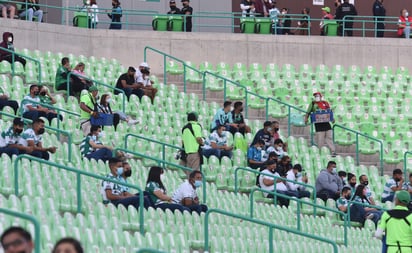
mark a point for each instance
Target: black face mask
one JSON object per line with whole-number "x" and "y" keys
{"x": 352, "y": 184}
{"x": 241, "y": 110}
{"x": 347, "y": 197}
{"x": 36, "y": 93}
{"x": 128, "y": 173}
{"x": 43, "y": 93}
{"x": 18, "y": 131}
{"x": 397, "y": 179}
{"x": 276, "y": 129}
{"x": 41, "y": 131}
{"x": 365, "y": 183}
{"x": 114, "y": 5}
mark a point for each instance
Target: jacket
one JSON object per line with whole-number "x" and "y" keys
{"x": 4, "y": 44}
{"x": 328, "y": 181}
{"x": 404, "y": 21}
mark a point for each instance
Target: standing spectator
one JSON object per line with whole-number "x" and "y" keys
{"x": 187, "y": 11}
{"x": 115, "y": 15}
{"x": 363, "y": 179}
{"x": 223, "y": 117}
{"x": 296, "y": 175}
{"x": 396, "y": 224}
{"x": 192, "y": 141}
{"x": 248, "y": 8}
{"x": 264, "y": 134}
{"x": 323, "y": 129}
{"x": 379, "y": 13}
{"x": 7, "y": 7}
{"x": 304, "y": 24}
{"x": 186, "y": 194}
{"x": 88, "y": 108}
{"x": 404, "y": 24}
{"x": 286, "y": 21}
{"x": 274, "y": 14}
{"x": 67, "y": 245}
{"x": 9, "y": 140}
{"x": 126, "y": 82}
{"x": 7, "y": 43}
{"x": 104, "y": 107}
{"x": 173, "y": 8}
{"x": 259, "y": 8}
{"x": 92, "y": 148}
{"x": 92, "y": 9}
{"x": 157, "y": 192}
{"x": 392, "y": 185}
{"x": 142, "y": 78}
{"x": 325, "y": 16}
{"x": 216, "y": 144}
{"x": 238, "y": 120}
{"x": 32, "y": 137}
{"x": 328, "y": 184}
{"x": 254, "y": 155}
{"x": 346, "y": 9}
{"x": 33, "y": 9}
{"x": 32, "y": 110}
{"x": 17, "y": 240}
{"x": 5, "y": 101}
{"x": 368, "y": 212}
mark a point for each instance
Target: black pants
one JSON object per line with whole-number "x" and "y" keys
{"x": 16, "y": 58}
{"x": 76, "y": 86}
{"x": 6, "y": 102}
{"x": 348, "y": 29}
{"x": 379, "y": 26}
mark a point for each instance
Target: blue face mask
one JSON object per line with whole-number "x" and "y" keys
{"x": 298, "y": 174}
{"x": 120, "y": 171}
{"x": 198, "y": 183}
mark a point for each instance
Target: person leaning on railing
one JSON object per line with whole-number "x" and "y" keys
{"x": 7, "y": 7}
{"x": 115, "y": 15}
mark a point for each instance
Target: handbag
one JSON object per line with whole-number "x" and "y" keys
{"x": 103, "y": 119}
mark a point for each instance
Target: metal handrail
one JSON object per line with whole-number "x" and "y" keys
{"x": 13, "y": 56}
{"x": 357, "y": 133}
{"x": 147, "y": 250}
{"x": 405, "y": 169}
{"x": 363, "y": 20}
{"x": 30, "y": 218}
{"x": 264, "y": 223}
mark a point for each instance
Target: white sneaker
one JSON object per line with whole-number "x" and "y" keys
{"x": 370, "y": 216}
{"x": 132, "y": 122}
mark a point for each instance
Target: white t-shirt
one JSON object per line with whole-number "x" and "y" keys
{"x": 30, "y": 135}
{"x": 27, "y": 103}
{"x": 185, "y": 190}
{"x": 262, "y": 185}
{"x": 139, "y": 78}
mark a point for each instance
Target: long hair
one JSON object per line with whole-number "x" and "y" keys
{"x": 76, "y": 244}
{"x": 103, "y": 99}
{"x": 154, "y": 176}
{"x": 359, "y": 193}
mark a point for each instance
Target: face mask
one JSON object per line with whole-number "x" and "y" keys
{"x": 94, "y": 138}
{"x": 317, "y": 98}
{"x": 352, "y": 184}
{"x": 397, "y": 179}
{"x": 259, "y": 148}
{"x": 269, "y": 129}
{"x": 41, "y": 131}
{"x": 120, "y": 171}
{"x": 279, "y": 148}
{"x": 108, "y": 100}
{"x": 334, "y": 170}
{"x": 114, "y": 5}
{"x": 406, "y": 14}
{"x": 18, "y": 131}
{"x": 43, "y": 93}
{"x": 101, "y": 134}
{"x": 347, "y": 197}
{"x": 10, "y": 39}
{"x": 298, "y": 174}
{"x": 36, "y": 93}
{"x": 162, "y": 177}
{"x": 276, "y": 129}
{"x": 128, "y": 173}
{"x": 365, "y": 183}
{"x": 198, "y": 183}
{"x": 241, "y": 110}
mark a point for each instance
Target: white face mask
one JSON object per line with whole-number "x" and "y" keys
{"x": 108, "y": 100}
{"x": 406, "y": 14}
{"x": 317, "y": 98}
{"x": 162, "y": 177}
{"x": 101, "y": 134}
{"x": 10, "y": 39}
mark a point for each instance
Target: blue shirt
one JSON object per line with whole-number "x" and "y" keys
{"x": 254, "y": 154}
{"x": 221, "y": 118}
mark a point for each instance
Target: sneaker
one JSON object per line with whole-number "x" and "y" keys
{"x": 334, "y": 154}
{"x": 132, "y": 122}
{"x": 370, "y": 216}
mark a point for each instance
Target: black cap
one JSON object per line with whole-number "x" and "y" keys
{"x": 185, "y": 1}
{"x": 18, "y": 122}
{"x": 132, "y": 69}
{"x": 267, "y": 123}
{"x": 270, "y": 162}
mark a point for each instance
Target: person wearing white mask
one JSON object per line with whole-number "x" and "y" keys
{"x": 7, "y": 43}
{"x": 323, "y": 128}
{"x": 104, "y": 107}
{"x": 142, "y": 77}
{"x": 92, "y": 148}
{"x": 254, "y": 155}
{"x": 404, "y": 24}
{"x": 328, "y": 184}
{"x": 186, "y": 194}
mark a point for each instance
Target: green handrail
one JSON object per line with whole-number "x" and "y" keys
{"x": 405, "y": 169}
{"x": 30, "y": 218}
{"x": 357, "y": 143}
{"x": 351, "y": 202}
{"x": 147, "y": 250}
{"x": 299, "y": 202}
{"x": 79, "y": 173}
{"x": 13, "y": 55}
{"x": 160, "y": 161}
{"x": 275, "y": 178}
{"x": 364, "y": 20}
{"x": 264, "y": 223}
{"x": 95, "y": 82}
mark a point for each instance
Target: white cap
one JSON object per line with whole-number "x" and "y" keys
{"x": 144, "y": 64}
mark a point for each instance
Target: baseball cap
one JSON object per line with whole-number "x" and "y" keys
{"x": 403, "y": 197}
{"x": 317, "y": 93}
{"x": 93, "y": 88}
{"x": 132, "y": 69}
{"x": 144, "y": 65}
{"x": 327, "y": 9}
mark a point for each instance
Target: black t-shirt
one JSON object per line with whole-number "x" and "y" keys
{"x": 129, "y": 80}
{"x": 190, "y": 10}
{"x": 237, "y": 118}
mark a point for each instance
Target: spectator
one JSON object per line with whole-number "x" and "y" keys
{"x": 104, "y": 107}
{"x": 277, "y": 148}
{"x": 7, "y": 43}
{"x": 296, "y": 175}
{"x": 92, "y": 9}
{"x": 238, "y": 120}
{"x": 379, "y": 13}
{"x": 115, "y": 15}
{"x": 5, "y": 101}
{"x": 343, "y": 202}
{"x": 396, "y": 224}
{"x": 216, "y": 144}
{"x": 173, "y": 8}
{"x": 78, "y": 78}
{"x": 285, "y": 21}
{"x": 192, "y": 142}
{"x": 119, "y": 194}
{"x": 32, "y": 137}
{"x": 325, "y": 16}
{"x": 9, "y": 140}
{"x": 346, "y": 24}
{"x": 274, "y": 15}
{"x": 392, "y": 185}
{"x": 271, "y": 157}
{"x": 363, "y": 179}
{"x": 368, "y": 212}
{"x": 259, "y": 8}
{"x": 186, "y": 193}
{"x": 328, "y": 184}
{"x": 284, "y": 165}
{"x": 404, "y": 24}
{"x": 223, "y": 117}
{"x": 7, "y": 7}
{"x": 408, "y": 185}
{"x": 157, "y": 192}
{"x": 88, "y": 106}
{"x": 75, "y": 84}
{"x": 304, "y": 24}
{"x": 142, "y": 77}
{"x": 323, "y": 129}
{"x": 67, "y": 245}
{"x": 264, "y": 134}
{"x": 31, "y": 108}
{"x": 267, "y": 5}
{"x": 17, "y": 240}
{"x": 33, "y": 9}
{"x": 248, "y": 8}
{"x": 342, "y": 174}
{"x": 46, "y": 98}
{"x": 254, "y": 155}
{"x": 352, "y": 181}
{"x": 92, "y": 148}
{"x": 187, "y": 11}
{"x": 276, "y": 135}
{"x": 126, "y": 82}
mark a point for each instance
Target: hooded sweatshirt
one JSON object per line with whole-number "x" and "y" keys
{"x": 328, "y": 181}
{"x": 6, "y": 44}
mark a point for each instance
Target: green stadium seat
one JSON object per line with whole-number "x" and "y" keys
{"x": 5, "y": 67}
{"x": 174, "y": 68}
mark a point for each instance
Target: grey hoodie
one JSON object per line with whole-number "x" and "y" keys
{"x": 328, "y": 181}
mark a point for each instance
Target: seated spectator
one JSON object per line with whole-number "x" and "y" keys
{"x": 142, "y": 78}
{"x": 342, "y": 202}
{"x": 393, "y": 185}
{"x": 126, "y": 82}
{"x": 328, "y": 183}
{"x": 119, "y": 194}
{"x": 408, "y": 185}
{"x": 33, "y": 9}
{"x": 88, "y": 108}
{"x": 157, "y": 192}
{"x": 284, "y": 165}
{"x": 47, "y": 98}
{"x": 276, "y": 135}
{"x": 237, "y": 118}
{"x": 352, "y": 181}
{"x": 104, "y": 107}
{"x": 223, "y": 117}
{"x": 69, "y": 245}
{"x": 186, "y": 193}
{"x": 5, "y": 101}
{"x": 32, "y": 137}
{"x": 271, "y": 157}
{"x": 16, "y": 240}
{"x": 295, "y": 174}
{"x": 79, "y": 78}
{"x": 264, "y": 134}
{"x": 368, "y": 212}
{"x": 404, "y": 24}
{"x": 254, "y": 155}
{"x": 9, "y": 140}
{"x": 92, "y": 148}
{"x": 75, "y": 85}
{"x": 356, "y": 211}
{"x": 7, "y": 43}
{"x": 342, "y": 175}
{"x": 277, "y": 148}
{"x": 216, "y": 144}
{"x": 32, "y": 110}
{"x": 363, "y": 179}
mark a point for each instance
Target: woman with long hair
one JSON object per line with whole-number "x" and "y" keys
{"x": 104, "y": 107}
{"x": 370, "y": 213}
